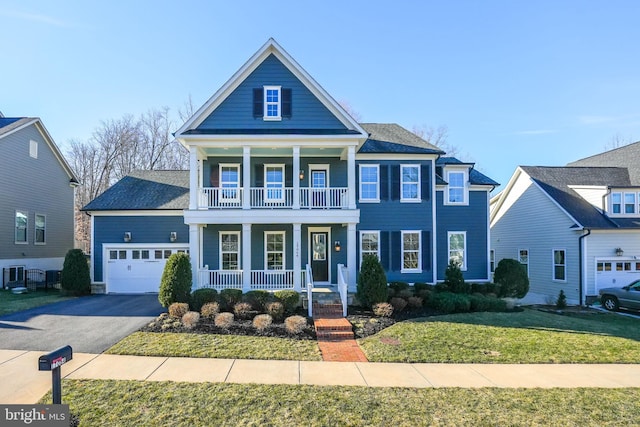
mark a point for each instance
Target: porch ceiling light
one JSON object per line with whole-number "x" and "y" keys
{"x": 127, "y": 236}
{"x": 301, "y": 174}
{"x": 337, "y": 246}
{"x": 173, "y": 236}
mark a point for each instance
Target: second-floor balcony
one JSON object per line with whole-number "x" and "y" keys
{"x": 273, "y": 198}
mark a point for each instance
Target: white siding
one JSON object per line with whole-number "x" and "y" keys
{"x": 591, "y": 194}
{"x": 602, "y": 244}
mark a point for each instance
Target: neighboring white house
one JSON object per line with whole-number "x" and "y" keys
{"x": 574, "y": 228}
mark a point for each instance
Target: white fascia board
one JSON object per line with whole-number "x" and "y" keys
{"x": 256, "y": 140}
{"x": 31, "y": 120}
{"x": 502, "y": 196}
{"x": 390, "y": 156}
{"x": 269, "y": 216}
{"x": 158, "y": 212}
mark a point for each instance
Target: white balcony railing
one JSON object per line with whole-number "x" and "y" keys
{"x": 211, "y": 197}
{"x": 271, "y": 197}
{"x": 268, "y": 280}
{"x": 324, "y": 198}
{"x": 220, "y": 279}
{"x": 274, "y": 198}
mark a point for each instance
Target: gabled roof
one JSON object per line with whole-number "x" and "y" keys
{"x": 393, "y": 138}
{"x": 475, "y": 177}
{"x": 627, "y": 156}
{"x": 556, "y": 182}
{"x": 145, "y": 190}
{"x": 271, "y": 47}
{"x": 9, "y": 125}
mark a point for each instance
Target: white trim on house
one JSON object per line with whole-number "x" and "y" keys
{"x": 329, "y": 247}
{"x": 418, "y": 183}
{"x": 284, "y": 250}
{"x": 448, "y": 171}
{"x": 221, "y": 252}
{"x": 377, "y": 233}
{"x": 377, "y": 168}
{"x": 553, "y": 265}
{"x": 156, "y": 212}
{"x": 267, "y": 103}
{"x": 402, "y": 251}
{"x": 463, "y": 267}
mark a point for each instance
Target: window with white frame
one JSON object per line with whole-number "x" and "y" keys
{"x": 40, "y": 229}
{"x": 559, "y": 265}
{"x": 274, "y": 250}
{"x": 616, "y": 203}
{"x": 229, "y": 181}
{"x": 22, "y": 221}
{"x": 274, "y": 182}
{"x": 272, "y": 103}
{"x": 629, "y": 203}
{"x": 369, "y": 243}
{"x": 33, "y": 149}
{"x": 369, "y": 183}
{"x": 409, "y": 183}
{"x": 457, "y": 241}
{"x": 230, "y": 251}
{"x": 456, "y": 189}
{"x": 411, "y": 251}
{"x": 523, "y": 258}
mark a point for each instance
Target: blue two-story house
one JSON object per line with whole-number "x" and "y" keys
{"x": 285, "y": 189}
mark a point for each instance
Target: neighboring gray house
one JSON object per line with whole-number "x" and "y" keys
{"x": 574, "y": 228}
{"x": 36, "y": 201}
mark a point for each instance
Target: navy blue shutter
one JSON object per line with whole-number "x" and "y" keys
{"x": 288, "y": 176}
{"x": 286, "y": 102}
{"x": 384, "y": 250}
{"x": 258, "y": 103}
{"x": 396, "y": 251}
{"x": 395, "y": 182}
{"x": 358, "y": 182}
{"x": 426, "y": 250}
{"x": 384, "y": 182}
{"x": 259, "y": 169}
{"x": 425, "y": 177}
{"x": 214, "y": 176}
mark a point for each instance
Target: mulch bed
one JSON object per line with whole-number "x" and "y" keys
{"x": 365, "y": 323}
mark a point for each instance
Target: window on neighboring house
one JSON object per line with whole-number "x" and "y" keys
{"x": 629, "y": 203}
{"x": 369, "y": 243}
{"x": 229, "y": 181}
{"x": 492, "y": 261}
{"x": 411, "y": 251}
{"x": 410, "y": 182}
{"x": 457, "y": 248}
{"x": 230, "y": 251}
{"x": 22, "y": 221}
{"x": 523, "y": 258}
{"x": 456, "y": 188}
{"x": 274, "y": 182}
{"x": 33, "y": 149}
{"x": 369, "y": 184}
{"x": 616, "y": 203}
{"x": 272, "y": 103}
{"x": 559, "y": 265}
{"x": 274, "y": 250}
{"x": 16, "y": 273}
{"x": 40, "y": 229}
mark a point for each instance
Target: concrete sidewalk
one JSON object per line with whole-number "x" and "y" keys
{"x": 23, "y": 383}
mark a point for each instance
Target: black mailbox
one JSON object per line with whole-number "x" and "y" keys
{"x": 55, "y": 359}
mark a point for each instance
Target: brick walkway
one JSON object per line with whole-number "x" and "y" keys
{"x": 335, "y": 335}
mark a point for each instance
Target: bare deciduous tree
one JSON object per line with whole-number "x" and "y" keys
{"x": 436, "y": 136}
{"x": 617, "y": 141}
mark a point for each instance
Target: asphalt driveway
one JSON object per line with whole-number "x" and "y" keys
{"x": 89, "y": 324}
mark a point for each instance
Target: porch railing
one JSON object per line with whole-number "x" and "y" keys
{"x": 309, "y": 284}
{"x": 269, "y": 280}
{"x": 343, "y": 283}
{"x": 273, "y": 198}
{"x": 221, "y": 279}
{"x": 324, "y": 198}
{"x": 221, "y": 198}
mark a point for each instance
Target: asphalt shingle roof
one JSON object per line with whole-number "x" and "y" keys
{"x": 7, "y": 124}
{"x": 475, "y": 177}
{"x": 555, "y": 181}
{"x": 393, "y": 138}
{"x": 141, "y": 190}
{"x": 627, "y": 156}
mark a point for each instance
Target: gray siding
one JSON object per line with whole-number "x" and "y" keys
{"x": 144, "y": 229}
{"x": 37, "y": 186}
{"x": 236, "y": 112}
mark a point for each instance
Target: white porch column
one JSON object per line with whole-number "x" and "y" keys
{"x": 246, "y": 257}
{"x": 351, "y": 255}
{"x": 194, "y": 254}
{"x": 194, "y": 172}
{"x": 296, "y": 178}
{"x": 246, "y": 177}
{"x": 297, "y": 256}
{"x": 351, "y": 176}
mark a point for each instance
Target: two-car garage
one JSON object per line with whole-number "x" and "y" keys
{"x": 616, "y": 272}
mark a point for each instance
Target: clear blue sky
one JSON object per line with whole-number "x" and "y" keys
{"x": 516, "y": 82}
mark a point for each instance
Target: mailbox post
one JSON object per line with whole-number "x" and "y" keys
{"x": 53, "y": 362}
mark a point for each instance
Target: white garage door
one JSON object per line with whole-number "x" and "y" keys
{"x": 616, "y": 272}
{"x": 136, "y": 270}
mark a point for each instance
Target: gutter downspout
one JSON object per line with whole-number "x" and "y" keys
{"x": 580, "y": 265}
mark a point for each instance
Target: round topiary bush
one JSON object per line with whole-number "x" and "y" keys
{"x": 289, "y": 300}
{"x": 202, "y": 296}
{"x": 372, "y": 282}
{"x": 512, "y": 278}
{"x": 229, "y": 298}
{"x": 75, "y": 278}
{"x": 175, "y": 285}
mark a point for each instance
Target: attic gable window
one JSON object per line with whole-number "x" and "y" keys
{"x": 272, "y": 103}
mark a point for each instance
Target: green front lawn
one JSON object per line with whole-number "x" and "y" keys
{"x": 530, "y": 336}
{"x": 10, "y": 302}
{"x": 127, "y": 403}
{"x": 217, "y": 346}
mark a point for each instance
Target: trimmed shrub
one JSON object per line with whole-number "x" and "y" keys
{"x": 425, "y": 294}
{"x": 479, "y": 288}
{"x": 448, "y": 302}
{"x": 372, "y": 282}
{"x": 415, "y": 302}
{"x": 512, "y": 278}
{"x": 398, "y": 304}
{"x": 202, "y": 296}
{"x": 492, "y": 288}
{"x": 382, "y": 309}
{"x": 405, "y": 293}
{"x": 229, "y": 298}
{"x": 479, "y": 302}
{"x": 243, "y": 310}
{"x": 262, "y": 321}
{"x": 418, "y": 286}
{"x": 75, "y": 278}
{"x": 398, "y": 286}
{"x": 497, "y": 304}
{"x": 561, "y": 302}
{"x": 295, "y": 324}
{"x": 258, "y": 299}
{"x": 175, "y": 285}
{"x": 190, "y": 319}
{"x": 178, "y": 309}
{"x": 275, "y": 309}
{"x": 454, "y": 280}
{"x": 289, "y": 300}
{"x": 223, "y": 320}
{"x": 210, "y": 309}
